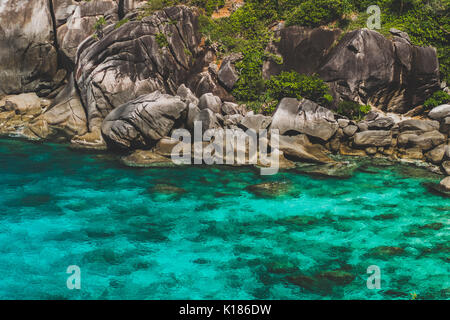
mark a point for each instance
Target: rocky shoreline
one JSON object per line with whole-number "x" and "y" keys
{"x": 128, "y": 90}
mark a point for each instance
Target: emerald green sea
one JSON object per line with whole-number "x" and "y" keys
{"x": 198, "y": 232}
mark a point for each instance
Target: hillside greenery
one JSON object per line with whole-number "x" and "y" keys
{"x": 249, "y": 29}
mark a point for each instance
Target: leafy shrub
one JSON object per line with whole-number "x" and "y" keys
{"x": 99, "y": 24}
{"x": 438, "y": 98}
{"x": 295, "y": 85}
{"x": 352, "y": 110}
{"x": 314, "y": 13}
{"x": 161, "y": 40}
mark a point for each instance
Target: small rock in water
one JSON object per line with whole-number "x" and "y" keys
{"x": 343, "y": 170}
{"x": 269, "y": 189}
{"x": 167, "y": 189}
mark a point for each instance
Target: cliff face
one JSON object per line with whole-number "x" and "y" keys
{"x": 28, "y": 56}
{"x": 363, "y": 66}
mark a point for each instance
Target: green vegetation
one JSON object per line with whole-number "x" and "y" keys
{"x": 426, "y": 21}
{"x": 101, "y": 22}
{"x": 248, "y": 30}
{"x": 438, "y": 98}
{"x": 352, "y": 110}
{"x": 121, "y": 23}
{"x": 154, "y": 5}
{"x": 295, "y": 85}
{"x": 161, "y": 40}
{"x": 98, "y": 28}
{"x": 314, "y": 13}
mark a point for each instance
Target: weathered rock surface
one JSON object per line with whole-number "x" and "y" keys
{"x": 143, "y": 121}
{"x": 210, "y": 101}
{"x": 146, "y": 158}
{"x": 256, "y": 122}
{"x": 28, "y": 57}
{"x": 436, "y": 155}
{"x": 65, "y": 118}
{"x": 440, "y": 112}
{"x": 301, "y": 49}
{"x": 373, "y": 138}
{"x": 129, "y": 61}
{"x": 306, "y": 117}
{"x": 424, "y": 141}
{"x": 381, "y": 123}
{"x": 186, "y": 95}
{"x": 227, "y": 74}
{"x": 419, "y": 125}
{"x": 300, "y": 148}
{"x": 367, "y": 67}
{"x": 76, "y": 20}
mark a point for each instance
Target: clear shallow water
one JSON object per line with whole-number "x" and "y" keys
{"x": 212, "y": 239}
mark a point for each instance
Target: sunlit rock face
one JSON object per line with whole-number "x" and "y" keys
{"x": 75, "y": 22}
{"x": 28, "y": 57}
{"x": 394, "y": 75}
{"x": 159, "y": 52}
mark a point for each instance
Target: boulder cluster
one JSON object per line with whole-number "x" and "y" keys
{"x": 128, "y": 83}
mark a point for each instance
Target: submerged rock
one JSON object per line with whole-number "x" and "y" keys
{"x": 386, "y": 251}
{"x": 146, "y": 158}
{"x": 129, "y": 61}
{"x": 341, "y": 170}
{"x": 165, "y": 188}
{"x": 269, "y": 189}
{"x": 300, "y": 221}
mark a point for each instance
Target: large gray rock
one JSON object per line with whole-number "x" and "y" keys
{"x": 208, "y": 119}
{"x": 28, "y": 57}
{"x": 210, "y": 101}
{"x": 380, "y": 123}
{"x": 419, "y": 125}
{"x": 373, "y": 138}
{"x": 300, "y": 148}
{"x": 306, "y": 117}
{"x": 129, "y": 61}
{"x": 440, "y": 112}
{"x": 65, "y": 117}
{"x": 423, "y": 141}
{"x": 436, "y": 155}
{"x": 393, "y": 75}
{"x": 255, "y": 122}
{"x": 143, "y": 121}
{"x": 227, "y": 74}
{"x": 301, "y": 49}
{"x": 186, "y": 95}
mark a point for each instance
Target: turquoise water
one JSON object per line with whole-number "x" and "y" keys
{"x": 199, "y": 233}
